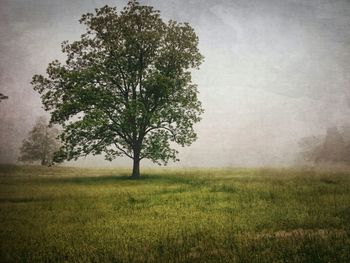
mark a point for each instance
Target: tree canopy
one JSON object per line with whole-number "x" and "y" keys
{"x": 125, "y": 88}
{"x": 41, "y": 144}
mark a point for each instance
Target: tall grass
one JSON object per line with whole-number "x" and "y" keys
{"x": 63, "y": 214}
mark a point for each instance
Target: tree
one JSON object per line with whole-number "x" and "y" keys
{"x": 41, "y": 143}
{"x": 3, "y": 97}
{"x": 125, "y": 88}
{"x": 333, "y": 148}
{"x": 311, "y": 148}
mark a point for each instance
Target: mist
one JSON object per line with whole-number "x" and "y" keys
{"x": 274, "y": 72}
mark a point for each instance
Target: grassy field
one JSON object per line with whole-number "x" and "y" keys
{"x": 62, "y": 214}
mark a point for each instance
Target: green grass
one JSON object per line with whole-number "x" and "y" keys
{"x": 63, "y": 214}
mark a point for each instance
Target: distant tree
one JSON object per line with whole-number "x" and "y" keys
{"x": 3, "y": 97}
{"x": 125, "y": 88}
{"x": 41, "y": 143}
{"x": 310, "y": 148}
{"x": 345, "y": 132}
{"x": 332, "y": 148}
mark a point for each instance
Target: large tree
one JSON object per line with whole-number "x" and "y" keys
{"x": 41, "y": 144}
{"x": 125, "y": 88}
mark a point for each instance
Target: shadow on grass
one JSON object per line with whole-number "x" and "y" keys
{"x": 20, "y": 200}
{"x": 121, "y": 179}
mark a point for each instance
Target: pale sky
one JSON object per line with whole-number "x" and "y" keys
{"x": 274, "y": 72}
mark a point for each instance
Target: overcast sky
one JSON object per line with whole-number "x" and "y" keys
{"x": 274, "y": 72}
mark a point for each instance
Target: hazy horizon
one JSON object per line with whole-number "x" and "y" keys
{"x": 274, "y": 72}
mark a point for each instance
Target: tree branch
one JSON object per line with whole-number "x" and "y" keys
{"x": 123, "y": 151}
{"x": 126, "y": 136}
{"x": 160, "y": 127}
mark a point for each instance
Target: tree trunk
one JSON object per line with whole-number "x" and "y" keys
{"x": 136, "y": 169}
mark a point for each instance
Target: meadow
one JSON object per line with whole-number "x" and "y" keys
{"x": 61, "y": 214}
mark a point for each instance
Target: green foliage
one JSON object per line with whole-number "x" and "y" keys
{"x": 61, "y": 214}
{"x": 125, "y": 88}
{"x": 41, "y": 144}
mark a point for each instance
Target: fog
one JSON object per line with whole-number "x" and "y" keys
{"x": 274, "y": 72}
